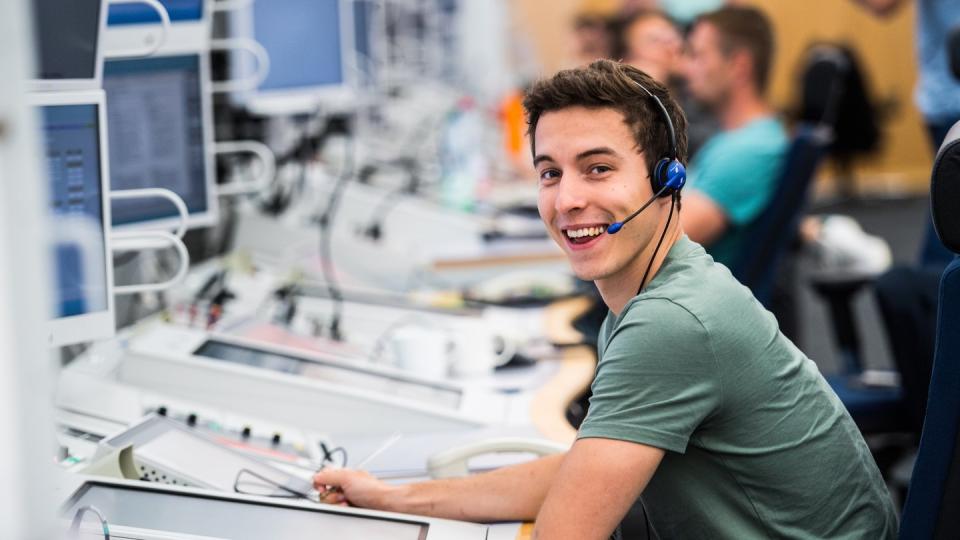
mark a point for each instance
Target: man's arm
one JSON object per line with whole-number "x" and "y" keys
{"x": 509, "y": 494}
{"x": 702, "y": 219}
{"x": 597, "y": 483}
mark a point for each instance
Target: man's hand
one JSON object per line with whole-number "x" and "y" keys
{"x": 357, "y": 488}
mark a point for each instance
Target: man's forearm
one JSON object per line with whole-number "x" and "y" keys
{"x": 508, "y": 494}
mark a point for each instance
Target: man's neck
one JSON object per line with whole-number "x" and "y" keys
{"x": 742, "y": 108}
{"x": 617, "y": 290}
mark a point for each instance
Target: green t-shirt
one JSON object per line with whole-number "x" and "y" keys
{"x": 757, "y": 444}
{"x": 738, "y": 170}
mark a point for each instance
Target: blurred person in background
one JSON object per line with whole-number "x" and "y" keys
{"x": 733, "y": 176}
{"x": 592, "y": 37}
{"x": 651, "y": 42}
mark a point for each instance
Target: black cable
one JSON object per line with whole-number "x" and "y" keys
{"x": 326, "y": 240}
{"x": 673, "y": 203}
{"x": 328, "y": 454}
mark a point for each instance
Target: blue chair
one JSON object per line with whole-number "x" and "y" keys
{"x": 932, "y": 509}
{"x": 774, "y": 230}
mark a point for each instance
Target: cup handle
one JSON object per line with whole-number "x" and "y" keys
{"x": 509, "y": 350}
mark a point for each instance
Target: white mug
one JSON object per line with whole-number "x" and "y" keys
{"x": 421, "y": 351}
{"x": 475, "y": 352}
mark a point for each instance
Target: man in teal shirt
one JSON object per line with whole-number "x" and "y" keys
{"x": 700, "y": 405}
{"x": 733, "y": 177}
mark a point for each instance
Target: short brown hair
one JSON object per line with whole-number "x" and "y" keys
{"x": 613, "y": 85}
{"x": 745, "y": 28}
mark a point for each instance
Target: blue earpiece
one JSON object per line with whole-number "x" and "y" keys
{"x": 670, "y": 174}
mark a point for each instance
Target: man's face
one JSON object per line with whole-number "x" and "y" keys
{"x": 592, "y": 174}
{"x": 707, "y": 68}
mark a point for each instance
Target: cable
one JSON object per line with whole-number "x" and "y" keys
{"x": 326, "y": 240}
{"x": 673, "y": 203}
{"x": 328, "y": 454}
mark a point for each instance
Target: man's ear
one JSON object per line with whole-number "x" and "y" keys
{"x": 741, "y": 65}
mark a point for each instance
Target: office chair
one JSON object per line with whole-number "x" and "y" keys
{"x": 774, "y": 230}
{"x": 933, "y": 499}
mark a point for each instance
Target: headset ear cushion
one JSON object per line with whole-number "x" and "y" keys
{"x": 659, "y": 177}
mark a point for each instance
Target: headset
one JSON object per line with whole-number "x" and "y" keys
{"x": 668, "y": 176}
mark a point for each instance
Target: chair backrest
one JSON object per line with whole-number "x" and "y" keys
{"x": 773, "y": 231}
{"x": 932, "y": 509}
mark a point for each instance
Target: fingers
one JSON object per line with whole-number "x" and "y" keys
{"x": 331, "y": 477}
{"x": 333, "y": 497}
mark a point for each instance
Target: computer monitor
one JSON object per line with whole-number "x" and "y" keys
{"x": 67, "y": 36}
{"x": 160, "y": 124}
{"x": 75, "y": 151}
{"x": 310, "y": 45}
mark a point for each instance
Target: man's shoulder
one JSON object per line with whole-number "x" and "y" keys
{"x": 759, "y": 136}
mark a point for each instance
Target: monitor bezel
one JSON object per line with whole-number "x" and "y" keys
{"x": 306, "y": 99}
{"x": 189, "y": 38}
{"x": 101, "y": 324}
{"x": 182, "y": 34}
{"x": 70, "y": 85}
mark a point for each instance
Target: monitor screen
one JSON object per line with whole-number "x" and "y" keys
{"x": 66, "y": 34}
{"x": 384, "y": 384}
{"x": 71, "y": 135}
{"x": 303, "y": 40}
{"x": 157, "y": 136}
{"x": 132, "y": 13}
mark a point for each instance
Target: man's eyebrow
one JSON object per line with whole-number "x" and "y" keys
{"x": 601, "y": 150}
{"x": 541, "y": 157}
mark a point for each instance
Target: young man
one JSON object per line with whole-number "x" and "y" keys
{"x": 733, "y": 176}
{"x": 699, "y": 403}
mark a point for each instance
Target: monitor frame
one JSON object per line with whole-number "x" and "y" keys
{"x": 100, "y": 324}
{"x": 70, "y": 85}
{"x": 187, "y": 38}
{"x": 306, "y": 99}
{"x": 182, "y": 34}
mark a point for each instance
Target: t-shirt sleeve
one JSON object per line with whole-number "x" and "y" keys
{"x": 657, "y": 380}
{"x": 740, "y": 180}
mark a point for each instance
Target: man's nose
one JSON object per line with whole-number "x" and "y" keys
{"x": 570, "y": 196}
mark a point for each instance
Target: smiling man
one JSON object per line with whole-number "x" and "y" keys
{"x": 700, "y": 405}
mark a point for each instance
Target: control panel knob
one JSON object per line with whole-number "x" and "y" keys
{"x": 192, "y": 419}
{"x": 162, "y": 410}
{"x": 246, "y": 432}
{"x": 276, "y": 439}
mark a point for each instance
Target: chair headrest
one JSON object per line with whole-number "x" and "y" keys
{"x": 945, "y": 190}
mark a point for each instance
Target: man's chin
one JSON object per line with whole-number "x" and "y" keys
{"x": 587, "y": 274}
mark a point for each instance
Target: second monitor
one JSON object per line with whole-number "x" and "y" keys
{"x": 160, "y": 136}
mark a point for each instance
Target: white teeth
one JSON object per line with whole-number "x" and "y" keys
{"x": 586, "y": 231}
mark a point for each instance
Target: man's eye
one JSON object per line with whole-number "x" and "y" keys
{"x": 550, "y": 174}
{"x": 599, "y": 169}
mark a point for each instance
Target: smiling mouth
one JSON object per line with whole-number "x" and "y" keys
{"x": 584, "y": 235}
